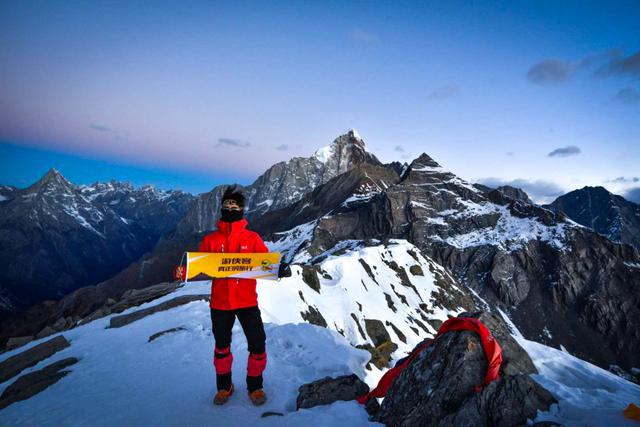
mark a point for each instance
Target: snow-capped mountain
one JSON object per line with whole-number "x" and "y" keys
{"x": 57, "y": 237}
{"x": 153, "y": 210}
{"x": 608, "y": 214}
{"x": 562, "y": 283}
{"x": 284, "y": 182}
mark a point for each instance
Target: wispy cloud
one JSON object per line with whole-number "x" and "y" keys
{"x": 116, "y": 134}
{"x": 444, "y": 92}
{"x": 510, "y": 153}
{"x": 628, "y": 95}
{"x": 624, "y": 180}
{"x": 399, "y": 149}
{"x": 570, "y": 150}
{"x": 552, "y": 72}
{"x": 541, "y": 191}
{"x": 363, "y": 36}
{"x": 620, "y": 64}
{"x": 283, "y": 147}
{"x": 101, "y": 128}
{"x": 611, "y": 63}
{"x": 232, "y": 142}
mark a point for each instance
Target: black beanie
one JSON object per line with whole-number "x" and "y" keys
{"x": 233, "y": 193}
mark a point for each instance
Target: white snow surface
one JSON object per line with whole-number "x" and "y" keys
{"x": 3, "y": 198}
{"x": 123, "y": 380}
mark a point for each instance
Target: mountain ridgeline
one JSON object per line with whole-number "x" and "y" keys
{"x": 563, "y": 284}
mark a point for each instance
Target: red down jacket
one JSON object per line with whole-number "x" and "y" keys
{"x": 231, "y": 294}
{"x": 489, "y": 344}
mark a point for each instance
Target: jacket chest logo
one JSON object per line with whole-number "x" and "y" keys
{"x": 243, "y": 247}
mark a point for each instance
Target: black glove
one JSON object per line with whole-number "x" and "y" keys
{"x": 284, "y": 270}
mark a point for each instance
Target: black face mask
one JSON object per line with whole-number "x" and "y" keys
{"x": 230, "y": 216}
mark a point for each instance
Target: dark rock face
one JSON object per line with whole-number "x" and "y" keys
{"x": 514, "y": 193}
{"x": 33, "y": 383}
{"x": 57, "y": 237}
{"x": 16, "y": 342}
{"x": 603, "y": 212}
{"x": 125, "y": 319}
{"x": 329, "y": 390}
{"x": 17, "y": 363}
{"x": 168, "y": 331}
{"x": 437, "y": 387}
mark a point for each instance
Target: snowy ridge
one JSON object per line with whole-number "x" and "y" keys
{"x": 363, "y": 283}
{"x": 509, "y": 233}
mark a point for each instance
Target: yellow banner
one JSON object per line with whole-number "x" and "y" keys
{"x": 237, "y": 265}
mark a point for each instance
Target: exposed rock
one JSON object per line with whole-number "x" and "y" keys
{"x": 314, "y": 317}
{"x": 510, "y": 401}
{"x": 376, "y": 331}
{"x": 437, "y": 387}
{"x": 125, "y": 319}
{"x": 17, "y": 363}
{"x": 381, "y": 354}
{"x": 168, "y": 331}
{"x": 416, "y": 270}
{"x": 513, "y": 193}
{"x": 33, "y": 383}
{"x": 310, "y": 277}
{"x": 515, "y": 359}
{"x": 15, "y": 342}
{"x": 135, "y": 297}
{"x": 45, "y": 332}
{"x": 633, "y": 376}
{"x": 328, "y": 390}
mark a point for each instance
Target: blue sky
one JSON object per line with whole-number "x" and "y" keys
{"x": 192, "y": 94}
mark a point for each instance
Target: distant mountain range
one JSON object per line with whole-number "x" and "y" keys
{"x": 562, "y": 283}
{"x": 58, "y": 237}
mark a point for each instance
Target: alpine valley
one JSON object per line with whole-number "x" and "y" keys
{"x": 382, "y": 255}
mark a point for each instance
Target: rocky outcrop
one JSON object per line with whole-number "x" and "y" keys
{"x": 15, "y": 364}
{"x": 34, "y": 382}
{"x": 328, "y": 390}
{"x": 437, "y": 387}
{"x": 167, "y": 331}
{"x": 16, "y": 342}
{"x": 125, "y": 319}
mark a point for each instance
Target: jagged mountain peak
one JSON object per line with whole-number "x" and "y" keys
{"x": 348, "y": 148}
{"x": 424, "y": 161}
{"x": 602, "y": 211}
{"x": 51, "y": 182}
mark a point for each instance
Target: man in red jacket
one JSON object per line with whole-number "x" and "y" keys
{"x": 231, "y": 298}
